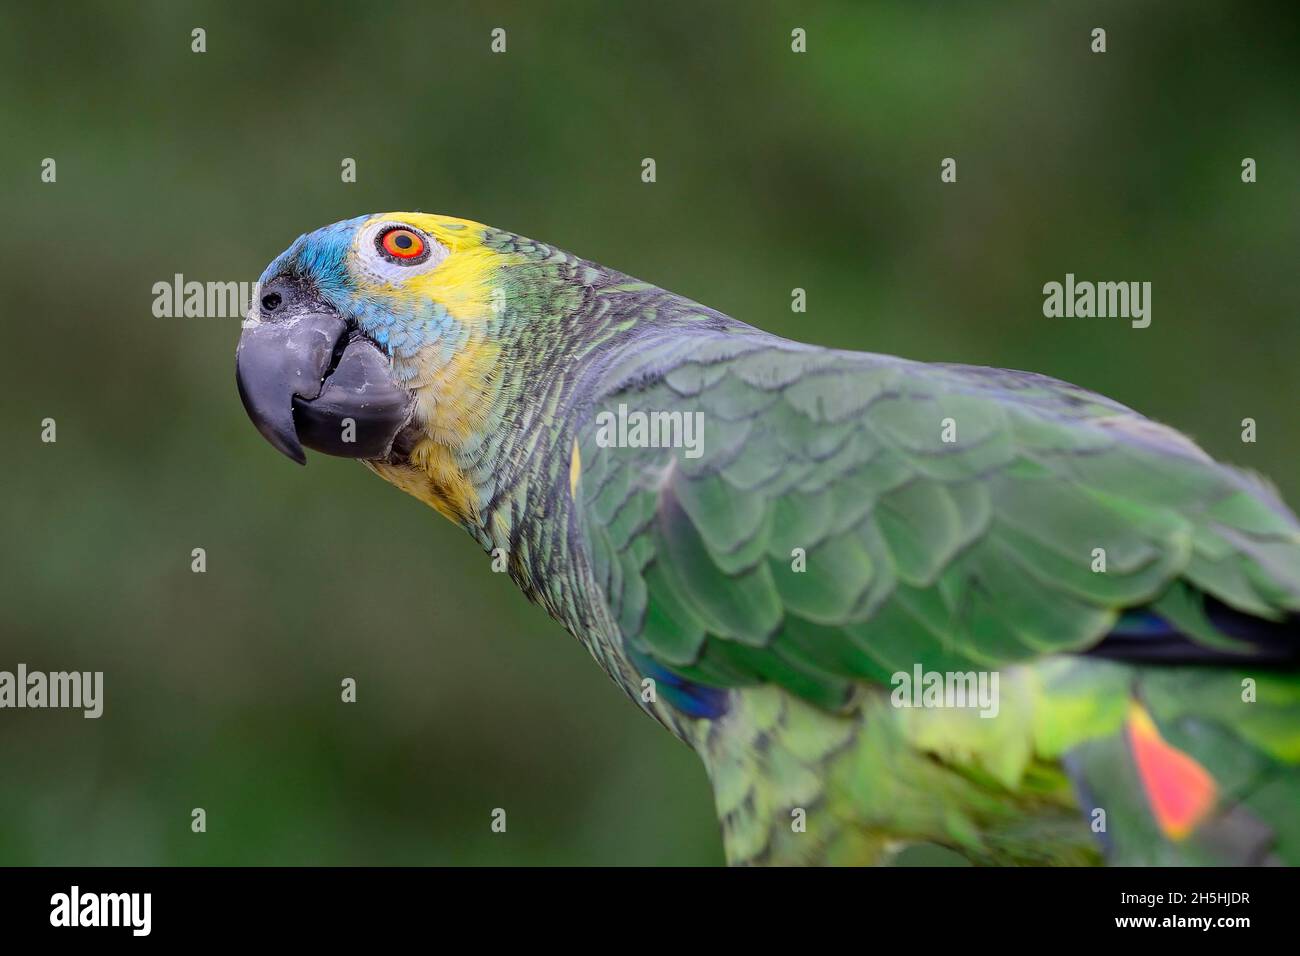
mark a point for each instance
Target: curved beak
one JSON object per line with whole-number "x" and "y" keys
{"x": 307, "y": 379}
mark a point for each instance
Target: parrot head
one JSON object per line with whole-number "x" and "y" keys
{"x": 375, "y": 332}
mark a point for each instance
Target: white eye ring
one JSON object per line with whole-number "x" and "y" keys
{"x": 373, "y": 265}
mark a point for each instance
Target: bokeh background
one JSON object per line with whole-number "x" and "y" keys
{"x": 775, "y": 170}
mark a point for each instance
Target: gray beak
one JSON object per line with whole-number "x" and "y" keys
{"x": 307, "y": 379}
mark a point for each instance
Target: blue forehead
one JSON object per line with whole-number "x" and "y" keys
{"x": 322, "y": 255}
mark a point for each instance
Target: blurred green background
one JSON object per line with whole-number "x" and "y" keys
{"x": 775, "y": 170}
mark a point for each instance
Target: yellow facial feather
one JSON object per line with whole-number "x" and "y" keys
{"x": 454, "y": 399}
{"x": 465, "y": 281}
{"x": 433, "y": 477}
{"x": 453, "y": 394}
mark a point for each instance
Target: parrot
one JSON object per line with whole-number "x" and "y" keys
{"x": 895, "y": 607}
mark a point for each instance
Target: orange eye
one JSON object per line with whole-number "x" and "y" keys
{"x": 403, "y": 245}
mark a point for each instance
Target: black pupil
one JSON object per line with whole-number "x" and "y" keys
{"x": 271, "y": 302}
{"x": 402, "y": 241}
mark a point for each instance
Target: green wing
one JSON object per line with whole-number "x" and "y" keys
{"x": 851, "y": 515}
